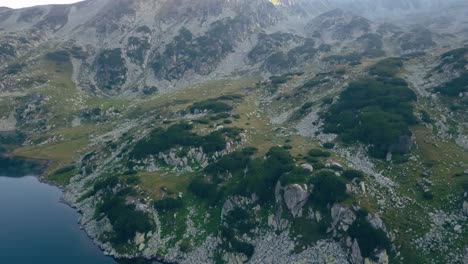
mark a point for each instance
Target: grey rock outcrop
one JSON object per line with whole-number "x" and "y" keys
{"x": 403, "y": 145}
{"x": 307, "y": 167}
{"x": 376, "y": 222}
{"x": 231, "y": 258}
{"x": 8, "y": 124}
{"x": 356, "y": 257}
{"x": 342, "y": 217}
{"x": 274, "y": 248}
{"x": 380, "y": 258}
{"x": 295, "y": 196}
{"x": 278, "y": 189}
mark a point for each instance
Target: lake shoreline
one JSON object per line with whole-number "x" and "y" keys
{"x": 20, "y": 166}
{"x": 42, "y": 213}
{"x": 41, "y": 174}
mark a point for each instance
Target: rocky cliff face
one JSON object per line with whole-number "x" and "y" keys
{"x": 378, "y": 8}
{"x": 170, "y": 44}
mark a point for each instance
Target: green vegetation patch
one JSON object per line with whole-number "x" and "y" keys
{"x": 352, "y": 58}
{"x": 303, "y": 111}
{"x": 310, "y": 85}
{"x": 239, "y": 174}
{"x": 7, "y": 50}
{"x": 111, "y": 69}
{"x": 168, "y": 204}
{"x": 241, "y": 221}
{"x": 308, "y": 231}
{"x": 386, "y": 68}
{"x": 371, "y": 41}
{"x": 418, "y": 38}
{"x": 296, "y": 175}
{"x": 233, "y": 244}
{"x": 454, "y": 87}
{"x": 211, "y": 105}
{"x": 368, "y": 237}
{"x": 161, "y": 140}
{"x": 63, "y": 175}
{"x": 378, "y": 112}
{"x": 328, "y": 189}
{"x": 205, "y": 190}
{"x": 238, "y": 224}
{"x": 457, "y": 58}
{"x": 14, "y": 68}
{"x": 277, "y": 81}
{"x": 315, "y": 82}
{"x": 234, "y": 164}
{"x": 317, "y": 153}
{"x": 263, "y": 174}
{"x": 106, "y": 184}
{"x": 352, "y": 174}
{"x": 60, "y": 57}
{"x": 125, "y": 219}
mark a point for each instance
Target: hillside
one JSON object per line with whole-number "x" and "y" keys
{"x": 235, "y": 131}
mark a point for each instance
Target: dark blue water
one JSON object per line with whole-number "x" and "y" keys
{"x": 36, "y": 228}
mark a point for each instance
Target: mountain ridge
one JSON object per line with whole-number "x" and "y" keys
{"x": 100, "y": 25}
{"x": 222, "y": 131}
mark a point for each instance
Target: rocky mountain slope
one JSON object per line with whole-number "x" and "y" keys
{"x": 167, "y": 45}
{"x": 234, "y": 131}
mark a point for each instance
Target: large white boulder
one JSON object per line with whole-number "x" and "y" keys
{"x": 295, "y": 196}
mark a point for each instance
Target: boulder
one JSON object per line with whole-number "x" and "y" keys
{"x": 382, "y": 257}
{"x": 342, "y": 217}
{"x": 403, "y": 145}
{"x": 465, "y": 208}
{"x": 271, "y": 220}
{"x": 228, "y": 206}
{"x": 307, "y": 167}
{"x": 363, "y": 187}
{"x": 376, "y": 222}
{"x": 295, "y": 196}
{"x": 318, "y": 216}
{"x": 333, "y": 164}
{"x": 141, "y": 247}
{"x": 356, "y": 257}
{"x": 139, "y": 238}
{"x": 389, "y": 156}
{"x": 232, "y": 258}
{"x": 278, "y": 189}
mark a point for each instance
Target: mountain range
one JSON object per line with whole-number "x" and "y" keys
{"x": 141, "y": 35}
{"x": 236, "y": 131}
